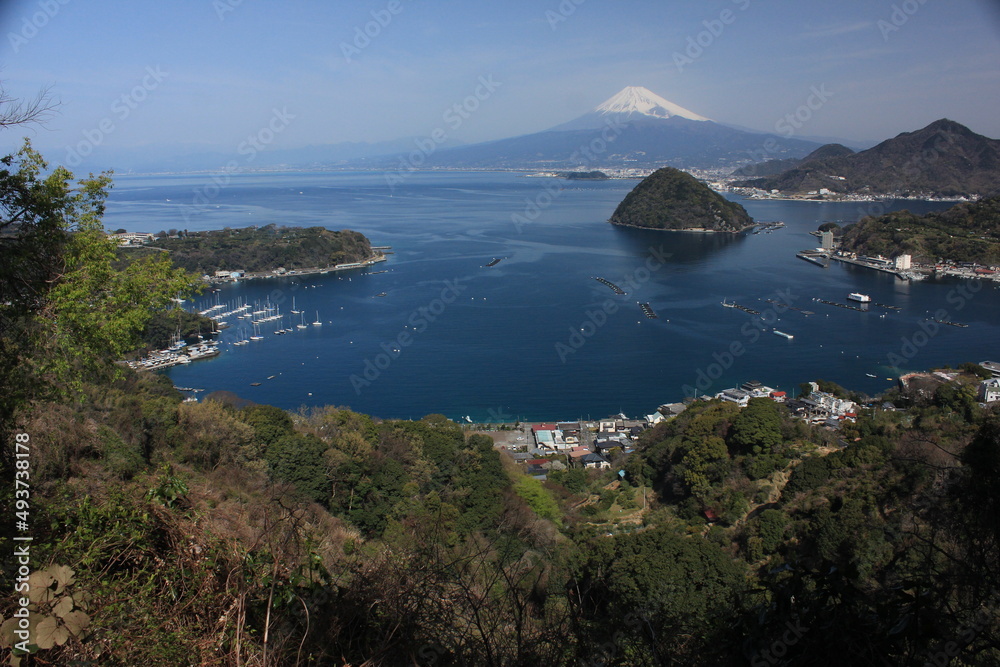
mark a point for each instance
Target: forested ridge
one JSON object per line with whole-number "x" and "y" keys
{"x": 259, "y": 248}
{"x": 966, "y": 232}
{"x": 229, "y": 533}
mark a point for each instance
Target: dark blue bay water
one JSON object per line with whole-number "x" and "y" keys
{"x": 534, "y": 336}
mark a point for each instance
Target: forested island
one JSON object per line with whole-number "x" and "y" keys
{"x": 255, "y": 249}
{"x": 584, "y": 175}
{"x": 671, "y": 199}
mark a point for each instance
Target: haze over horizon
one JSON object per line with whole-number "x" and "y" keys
{"x": 204, "y": 76}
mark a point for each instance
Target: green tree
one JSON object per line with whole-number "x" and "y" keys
{"x": 298, "y": 460}
{"x": 66, "y": 312}
{"x": 770, "y": 527}
{"x": 757, "y": 428}
{"x": 705, "y": 462}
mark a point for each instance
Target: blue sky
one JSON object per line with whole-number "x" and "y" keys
{"x": 206, "y": 74}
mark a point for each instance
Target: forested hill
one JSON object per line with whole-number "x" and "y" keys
{"x": 263, "y": 248}
{"x": 943, "y": 159}
{"x": 672, "y": 199}
{"x": 967, "y": 232}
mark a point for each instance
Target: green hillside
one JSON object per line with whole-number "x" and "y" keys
{"x": 671, "y": 199}
{"x": 967, "y": 232}
{"x": 261, "y": 248}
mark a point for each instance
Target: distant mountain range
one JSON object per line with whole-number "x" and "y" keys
{"x": 943, "y": 159}
{"x": 637, "y": 128}
{"x": 634, "y": 128}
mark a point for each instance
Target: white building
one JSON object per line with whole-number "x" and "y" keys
{"x": 903, "y": 262}
{"x": 131, "y": 238}
{"x": 989, "y": 390}
{"x": 737, "y": 396}
{"x": 836, "y": 406}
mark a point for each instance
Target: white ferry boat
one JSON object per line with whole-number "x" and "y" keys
{"x": 857, "y": 296}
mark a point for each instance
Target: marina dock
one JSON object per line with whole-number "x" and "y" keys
{"x": 819, "y": 259}
{"x": 648, "y": 311}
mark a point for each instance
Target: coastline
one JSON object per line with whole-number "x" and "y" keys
{"x": 295, "y": 273}
{"x": 692, "y": 230}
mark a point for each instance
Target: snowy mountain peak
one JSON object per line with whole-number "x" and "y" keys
{"x": 636, "y": 99}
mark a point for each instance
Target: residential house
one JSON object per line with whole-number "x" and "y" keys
{"x": 595, "y": 461}
{"x": 989, "y": 390}
{"x": 737, "y": 396}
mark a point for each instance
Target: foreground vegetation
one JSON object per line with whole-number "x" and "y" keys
{"x": 230, "y": 533}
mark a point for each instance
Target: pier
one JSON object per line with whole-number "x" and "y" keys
{"x": 615, "y": 288}
{"x": 788, "y": 307}
{"x": 815, "y": 257}
{"x": 841, "y": 305}
{"x": 739, "y": 307}
{"x": 648, "y": 311}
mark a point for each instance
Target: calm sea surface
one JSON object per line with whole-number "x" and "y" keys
{"x": 535, "y": 337}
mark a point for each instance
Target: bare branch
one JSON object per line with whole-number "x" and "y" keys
{"x": 24, "y": 112}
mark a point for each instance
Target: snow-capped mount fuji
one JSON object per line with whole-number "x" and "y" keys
{"x": 631, "y": 104}
{"x": 633, "y": 128}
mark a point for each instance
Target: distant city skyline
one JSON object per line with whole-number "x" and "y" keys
{"x": 238, "y": 76}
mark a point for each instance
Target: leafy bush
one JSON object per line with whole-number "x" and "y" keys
{"x": 810, "y": 474}
{"x": 541, "y": 502}
{"x": 121, "y": 459}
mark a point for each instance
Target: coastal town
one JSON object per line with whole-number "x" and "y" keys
{"x": 544, "y": 447}
{"x": 902, "y": 266}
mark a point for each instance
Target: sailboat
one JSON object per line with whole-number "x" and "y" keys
{"x": 240, "y": 340}
{"x": 294, "y": 312}
{"x": 317, "y": 322}
{"x": 256, "y": 334}
{"x": 302, "y": 324}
